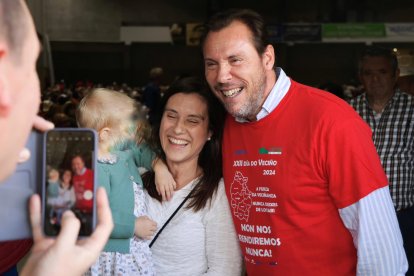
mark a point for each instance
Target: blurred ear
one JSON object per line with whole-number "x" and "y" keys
{"x": 103, "y": 134}
{"x": 5, "y": 94}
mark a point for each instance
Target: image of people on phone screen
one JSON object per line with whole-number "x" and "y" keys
{"x": 61, "y": 195}
{"x": 69, "y": 179}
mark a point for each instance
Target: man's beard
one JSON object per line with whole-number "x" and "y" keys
{"x": 251, "y": 107}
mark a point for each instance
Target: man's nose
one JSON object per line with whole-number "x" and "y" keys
{"x": 224, "y": 73}
{"x": 375, "y": 77}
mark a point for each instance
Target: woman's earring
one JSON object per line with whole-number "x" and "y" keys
{"x": 209, "y": 138}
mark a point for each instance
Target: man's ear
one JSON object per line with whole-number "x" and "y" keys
{"x": 5, "y": 93}
{"x": 269, "y": 57}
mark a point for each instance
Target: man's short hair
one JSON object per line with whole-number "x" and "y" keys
{"x": 13, "y": 25}
{"x": 253, "y": 21}
{"x": 376, "y": 51}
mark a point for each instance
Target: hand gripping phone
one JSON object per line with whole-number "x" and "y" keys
{"x": 62, "y": 169}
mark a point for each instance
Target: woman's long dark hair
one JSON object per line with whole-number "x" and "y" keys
{"x": 210, "y": 156}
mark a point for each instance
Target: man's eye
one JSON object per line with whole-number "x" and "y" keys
{"x": 210, "y": 65}
{"x": 235, "y": 61}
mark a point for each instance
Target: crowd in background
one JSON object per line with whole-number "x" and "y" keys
{"x": 60, "y": 101}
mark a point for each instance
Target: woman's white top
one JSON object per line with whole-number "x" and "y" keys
{"x": 195, "y": 243}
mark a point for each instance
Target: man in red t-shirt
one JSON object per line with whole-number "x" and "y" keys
{"x": 83, "y": 184}
{"x": 306, "y": 188}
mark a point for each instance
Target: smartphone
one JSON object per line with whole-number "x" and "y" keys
{"x": 69, "y": 178}
{"x": 16, "y": 191}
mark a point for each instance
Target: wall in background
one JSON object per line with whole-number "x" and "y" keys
{"x": 100, "y": 20}
{"x": 85, "y": 36}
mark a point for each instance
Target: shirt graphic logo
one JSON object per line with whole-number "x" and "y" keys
{"x": 241, "y": 200}
{"x": 272, "y": 150}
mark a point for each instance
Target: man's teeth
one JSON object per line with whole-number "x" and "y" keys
{"x": 178, "y": 142}
{"x": 232, "y": 92}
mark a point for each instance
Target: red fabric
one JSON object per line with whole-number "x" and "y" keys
{"x": 82, "y": 184}
{"x": 12, "y": 252}
{"x": 286, "y": 177}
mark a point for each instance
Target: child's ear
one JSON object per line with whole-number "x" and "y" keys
{"x": 103, "y": 134}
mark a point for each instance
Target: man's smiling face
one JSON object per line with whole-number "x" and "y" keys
{"x": 235, "y": 71}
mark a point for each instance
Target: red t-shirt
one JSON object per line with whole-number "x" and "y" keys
{"x": 83, "y": 187}
{"x": 288, "y": 174}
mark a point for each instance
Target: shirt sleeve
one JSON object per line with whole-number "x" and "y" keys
{"x": 124, "y": 222}
{"x": 143, "y": 156}
{"x": 222, "y": 247}
{"x": 374, "y": 228}
{"x": 350, "y": 161}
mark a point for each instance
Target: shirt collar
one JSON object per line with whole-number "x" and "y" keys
{"x": 390, "y": 102}
{"x": 277, "y": 93}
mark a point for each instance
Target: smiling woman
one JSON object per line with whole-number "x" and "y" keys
{"x": 184, "y": 128}
{"x": 200, "y": 237}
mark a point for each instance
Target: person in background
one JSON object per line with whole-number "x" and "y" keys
{"x": 152, "y": 92}
{"x": 200, "y": 238}
{"x": 390, "y": 114}
{"x": 306, "y": 188}
{"x": 19, "y": 103}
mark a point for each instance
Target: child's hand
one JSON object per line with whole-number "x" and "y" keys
{"x": 164, "y": 182}
{"x": 145, "y": 227}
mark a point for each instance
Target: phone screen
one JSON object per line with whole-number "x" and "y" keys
{"x": 69, "y": 178}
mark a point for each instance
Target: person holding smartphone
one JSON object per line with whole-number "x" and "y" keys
{"x": 19, "y": 103}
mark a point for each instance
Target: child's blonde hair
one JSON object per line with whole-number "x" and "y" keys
{"x": 103, "y": 107}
